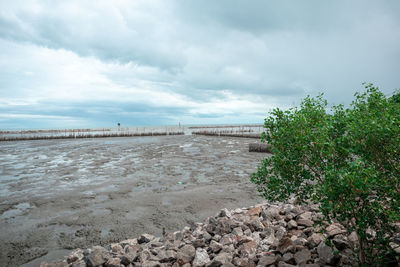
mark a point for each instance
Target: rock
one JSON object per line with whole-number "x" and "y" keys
{"x": 129, "y": 257}
{"x": 201, "y": 258}
{"x": 226, "y": 240}
{"x": 305, "y": 222}
{"x": 285, "y": 245}
{"x": 241, "y": 262}
{"x": 117, "y": 248}
{"x": 132, "y": 249}
{"x": 239, "y": 240}
{"x": 145, "y": 238}
{"x": 268, "y": 236}
{"x": 254, "y": 211}
{"x": 255, "y": 224}
{"x": 113, "y": 262}
{"x": 292, "y": 224}
{"x": 325, "y": 253}
{"x": 340, "y": 242}
{"x": 302, "y": 256}
{"x": 199, "y": 243}
{"x": 220, "y": 259}
{"x": 186, "y": 254}
{"x": 80, "y": 263}
{"x": 215, "y": 246}
{"x": 216, "y": 238}
{"x": 249, "y": 249}
{"x": 271, "y": 213}
{"x": 131, "y": 242}
{"x": 98, "y": 256}
{"x": 315, "y": 239}
{"x": 224, "y": 213}
{"x": 305, "y": 216}
{"x": 284, "y": 264}
{"x": 300, "y": 241}
{"x": 267, "y": 260}
{"x": 237, "y": 231}
{"x": 288, "y": 258}
{"x": 166, "y": 256}
{"x": 334, "y": 229}
{"x": 150, "y": 264}
{"x": 75, "y": 255}
{"x": 228, "y": 249}
{"x": 280, "y": 232}
{"x": 353, "y": 240}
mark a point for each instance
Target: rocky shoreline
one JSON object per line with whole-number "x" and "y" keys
{"x": 279, "y": 234}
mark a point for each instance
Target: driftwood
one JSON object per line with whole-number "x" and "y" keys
{"x": 260, "y": 147}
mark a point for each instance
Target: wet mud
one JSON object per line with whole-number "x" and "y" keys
{"x": 56, "y": 195}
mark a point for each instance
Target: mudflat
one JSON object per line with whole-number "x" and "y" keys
{"x": 56, "y": 195}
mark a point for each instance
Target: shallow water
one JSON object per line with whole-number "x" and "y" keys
{"x": 56, "y": 195}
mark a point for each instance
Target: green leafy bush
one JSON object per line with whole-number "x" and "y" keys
{"x": 347, "y": 160}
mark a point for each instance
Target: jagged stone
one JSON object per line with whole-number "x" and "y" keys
{"x": 340, "y": 242}
{"x": 237, "y": 231}
{"x": 292, "y": 224}
{"x": 186, "y": 254}
{"x": 284, "y": 264}
{"x": 199, "y": 242}
{"x": 254, "y": 211}
{"x": 151, "y": 264}
{"x": 305, "y": 216}
{"x": 113, "y": 262}
{"x": 131, "y": 242}
{"x": 299, "y": 241}
{"x": 117, "y": 248}
{"x": 145, "y": 238}
{"x": 98, "y": 256}
{"x": 267, "y": 260}
{"x": 166, "y": 256}
{"x": 201, "y": 258}
{"x": 220, "y": 259}
{"x": 242, "y": 262}
{"x": 225, "y": 213}
{"x": 226, "y": 240}
{"x": 75, "y": 255}
{"x": 305, "y": 222}
{"x": 325, "y": 253}
{"x": 228, "y": 249}
{"x": 353, "y": 240}
{"x": 288, "y": 258}
{"x": 315, "y": 239}
{"x": 127, "y": 258}
{"x": 286, "y": 245}
{"x": 301, "y": 257}
{"x": 334, "y": 229}
{"x": 248, "y": 249}
{"x": 215, "y": 246}
{"x": 80, "y": 263}
{"x": 271, "y": 213}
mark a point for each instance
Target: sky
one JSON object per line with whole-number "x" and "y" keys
{"x": 82, "y": 63}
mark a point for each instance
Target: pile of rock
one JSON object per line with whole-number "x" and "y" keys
{"x": 263, "y": 235}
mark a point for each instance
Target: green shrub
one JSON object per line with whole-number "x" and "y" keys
{"x": 347, "y": 161}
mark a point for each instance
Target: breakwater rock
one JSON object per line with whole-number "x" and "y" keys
{"x": 282, "y": 234}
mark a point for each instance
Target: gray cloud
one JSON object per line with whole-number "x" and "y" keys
{"x": 189, "y": 60}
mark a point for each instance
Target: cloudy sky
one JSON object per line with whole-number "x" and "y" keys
{"x": 147, "y": 62}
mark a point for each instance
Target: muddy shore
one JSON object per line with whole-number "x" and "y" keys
{"x": 57, "y": 195}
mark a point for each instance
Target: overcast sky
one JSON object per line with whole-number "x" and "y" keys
{"x": 95, "y": 63}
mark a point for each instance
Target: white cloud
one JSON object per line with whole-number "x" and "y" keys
{"x": 169, "y": 61}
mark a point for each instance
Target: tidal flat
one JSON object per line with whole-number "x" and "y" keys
{"x": 56, "y": 195}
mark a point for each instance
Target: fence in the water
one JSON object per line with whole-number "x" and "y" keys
{"x": 248, "y": 131}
